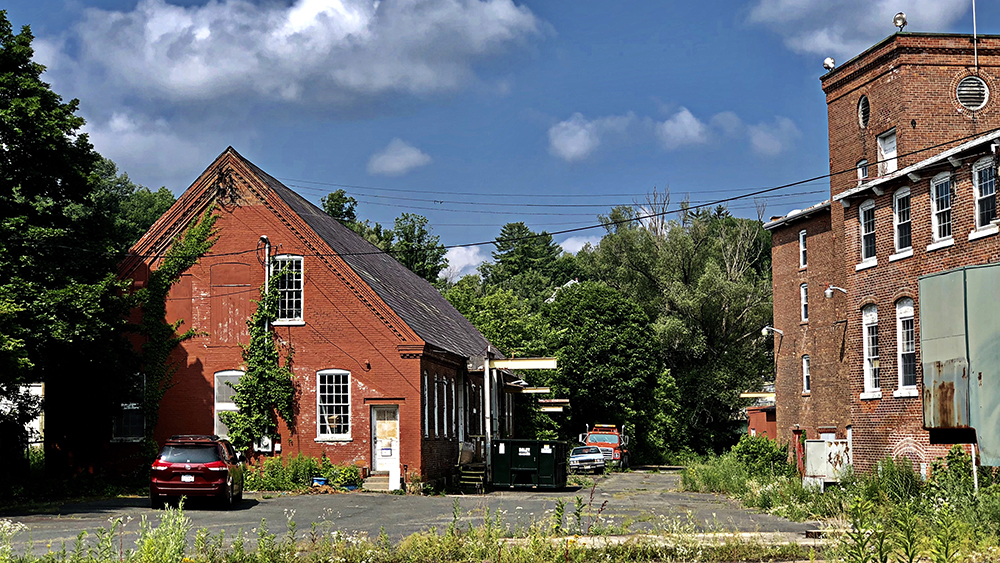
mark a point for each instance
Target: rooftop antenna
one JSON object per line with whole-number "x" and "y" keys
{"x": 975, "y": 41}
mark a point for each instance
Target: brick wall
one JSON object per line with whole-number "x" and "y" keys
{"x": 826, "y": 406}
{"x": 910, "y": 81}
{"x": 339, "y": 332}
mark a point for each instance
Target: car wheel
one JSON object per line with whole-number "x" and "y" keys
{"x": 155, "y": 502}
{"x": 226, "y": 497}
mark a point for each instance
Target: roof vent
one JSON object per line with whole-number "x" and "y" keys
{"x": 864, "y": 111}
{"x": 972, "y": 92}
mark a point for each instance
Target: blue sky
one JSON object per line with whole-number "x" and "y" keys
{"x": 473, "y": 113}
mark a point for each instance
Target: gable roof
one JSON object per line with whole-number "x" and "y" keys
{"x": 414, "y": 299}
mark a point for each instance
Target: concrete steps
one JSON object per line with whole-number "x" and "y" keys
{"x": 376, "y": 481}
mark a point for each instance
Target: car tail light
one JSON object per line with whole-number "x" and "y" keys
{"x": 216, "y": 466}
{"x": 160, "y": 465}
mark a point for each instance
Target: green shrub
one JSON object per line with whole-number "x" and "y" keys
{"x": 292, "y": 473}
{"x": 762, "y": 456}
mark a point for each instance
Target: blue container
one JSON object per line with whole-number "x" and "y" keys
{"x": 319, "y": 481}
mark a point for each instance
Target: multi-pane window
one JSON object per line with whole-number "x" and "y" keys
{"x": 129, "y": 424}
{"x": 802, "y": 248}
{"x": 901, "y": 219}
{"x": 941, "y": 203}
{"x": 906, "y": 343}
{"x": 870, "y": 327}
{"x": 867, "y": 216}
{"x": 804, "y": 301}
{"x": 984, "y": 176}
{"x": 289, "y": 287}
{"x": 225, "y": 388}
{"x": 887, "y": 152}
{"x": 862, "y": 170}
{"x": 333, "y": 404}
{"x": 805, "y": 374}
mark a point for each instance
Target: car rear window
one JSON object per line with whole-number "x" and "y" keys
{"x": 190, "y": 454}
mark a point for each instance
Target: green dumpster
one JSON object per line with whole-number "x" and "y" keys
{"x": 528, "y": 464}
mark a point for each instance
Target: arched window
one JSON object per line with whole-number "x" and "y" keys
{"x": 805, "y": 374}
{"x": 869, "y": 318}
{"x": 906, "y": 344}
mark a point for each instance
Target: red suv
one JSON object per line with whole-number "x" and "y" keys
{"x": 197, "y": 466}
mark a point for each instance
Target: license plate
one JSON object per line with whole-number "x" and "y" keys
{"x": 187, "y": 478}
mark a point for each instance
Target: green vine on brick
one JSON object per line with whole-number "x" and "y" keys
{"x": 161, "y": 337}
{"x": 267, "y": 388}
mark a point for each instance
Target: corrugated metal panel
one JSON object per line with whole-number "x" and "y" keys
{"x": 943, "y": 350}
{"x": 983, "y": 313}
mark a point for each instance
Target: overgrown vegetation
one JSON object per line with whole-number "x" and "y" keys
{"x": 266, "y": 390}
{"x": 289, "y": 473}
{"x": 888, "y": 514}
{"x": 489, "y": 539}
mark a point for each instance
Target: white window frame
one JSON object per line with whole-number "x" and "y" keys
{"x": 117, "y": 433}
{"x": 427, "y": 405}
{"x": 979, "y": 166}
{"x": 435, "y": 410}
{"x": 804, "y": 302}
{"x": 897, "y": 221}
{"x": 444, "y": 407}
{"x": 862, "y": 209}
{"x": 936, "y": 213}
{"x": 284, "y": 318}
{"x": 333, "y": 436}
{"x": 223, "y": 406}
{"x": 872, "y": 368}
{"x": 803, "y": 259}
{"x": 806, "y": 382}
{"x": 887, "y": 158}
{"x": 862, "y": 167}
{"x": 904, "y": 312}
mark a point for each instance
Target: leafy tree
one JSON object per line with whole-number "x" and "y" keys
{"x": 266, "y": 390}
{"x": 530, "y": 264}
{"x": 340, "y": 206}
{"x": 609, "y": 367}
{"x": 59, "y": 297}
{"x": 134, "y": 207}
{"x": 705, "y": 280}
{"x": 417, "y": 249}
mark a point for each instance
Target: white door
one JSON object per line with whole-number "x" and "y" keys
{"x": 385, "y": 425}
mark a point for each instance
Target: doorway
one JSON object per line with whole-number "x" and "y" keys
{"x": 385, "y": 438}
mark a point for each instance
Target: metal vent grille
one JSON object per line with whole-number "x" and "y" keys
{"x": 864, "y": 111}
{"x": 972, "y": 93}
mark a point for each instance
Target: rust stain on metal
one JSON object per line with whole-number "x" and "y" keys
{"x": 944, "y": 404}
{"x": 980, "y": 379}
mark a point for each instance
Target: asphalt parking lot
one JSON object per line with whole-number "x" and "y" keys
{"x": 643, "y": 500}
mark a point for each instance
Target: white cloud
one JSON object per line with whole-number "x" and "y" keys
{"x": 682, "y": 129}
{"x": 846, "y": 28}
{"x": 771, "y": 139}
{"x": 577, "y": 137}
{"x": 462, "y": 261}
{"x": 327, "y": 51}
{"x": 150, "y": 149}
{"x": 398, "y": 158}
{"x": 576, "y": 244}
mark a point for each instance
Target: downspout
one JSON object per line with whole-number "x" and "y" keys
{"x": 488, "y": 409}
{"x": 267, "y": 270}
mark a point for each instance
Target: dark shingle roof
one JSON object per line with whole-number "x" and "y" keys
{"x": 411, "y": 297}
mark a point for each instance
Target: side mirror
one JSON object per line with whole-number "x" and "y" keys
{"x": 582, "y": 438}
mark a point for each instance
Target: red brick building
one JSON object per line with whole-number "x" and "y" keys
{"x": 388, "y": 373}
{"x": 912, "y": 159}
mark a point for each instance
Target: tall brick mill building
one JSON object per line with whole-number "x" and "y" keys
{"x": 885, "y": 293}
{"x": 388, "y": 374}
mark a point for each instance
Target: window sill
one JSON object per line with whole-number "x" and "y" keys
{"x": 332, "y": 439}
{"x": 288, "y": 323}
{"x": 940, "y": 244}
{"x": 901, "y": 254}
{"x": 870, "y": 263}
{"x": 871, "y": 395}
{"x": 803, "y": 267}
{"x": 906, "y": 392}
{"x": 806, "y": 393}
{"x": 982, "y": 232}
